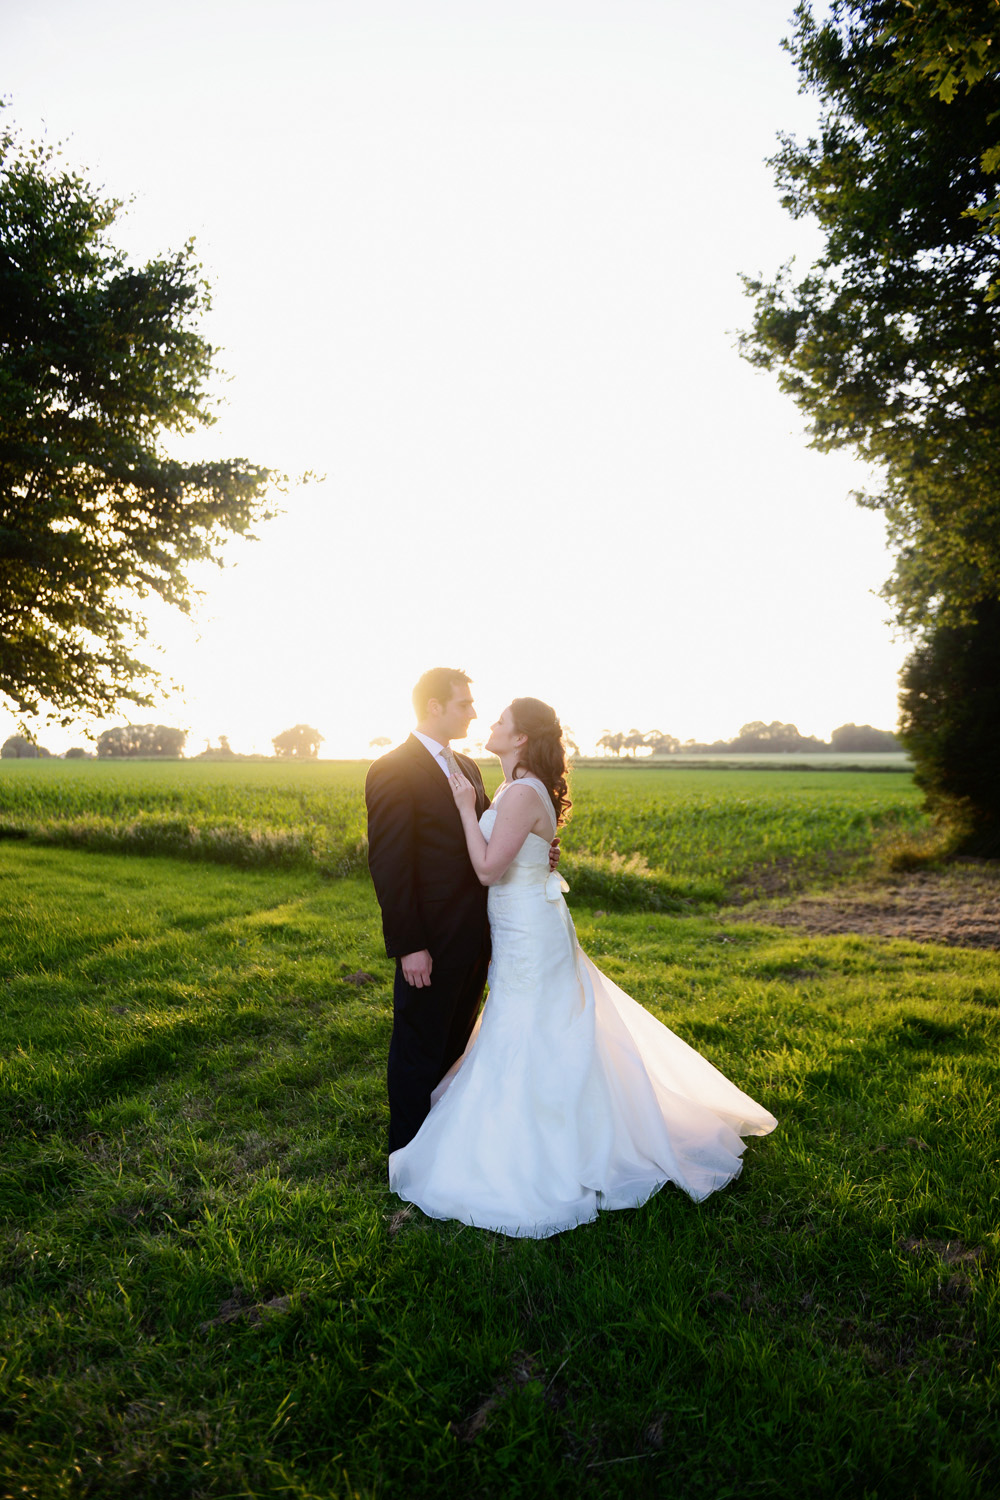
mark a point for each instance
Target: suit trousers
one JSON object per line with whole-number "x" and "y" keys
{"x": 430, "y": 1030}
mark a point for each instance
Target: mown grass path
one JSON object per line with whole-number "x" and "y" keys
{"x": 207, "y": 1290}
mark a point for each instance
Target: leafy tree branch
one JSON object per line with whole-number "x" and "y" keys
{"x": 99, "y": 363}
{"x": 890, "y": 343}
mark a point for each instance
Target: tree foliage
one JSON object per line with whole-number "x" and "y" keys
{"x": 301, "y": 742}
{"x": 863, "y": 739}
{"x": 140, "y": 740}
{"x": 662, "y": 744}
{"x": 889, "y": 344}
{"x": 775, "y": 738}
{"x": 19, "y": 747}
{"x": 756, "y": 738}
{"x": 953, "y": 46}
{"x": 952, "y": 727}
{"x": 99, "y": 362}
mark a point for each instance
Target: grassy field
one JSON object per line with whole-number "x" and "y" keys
{"x": 639, "y": 837}
{"x": 208, "y": 1291}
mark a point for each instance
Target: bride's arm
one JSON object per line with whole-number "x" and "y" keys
{"x": 516, "y": 815}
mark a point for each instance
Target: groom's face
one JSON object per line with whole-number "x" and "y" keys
{"x": 457, "y": 714}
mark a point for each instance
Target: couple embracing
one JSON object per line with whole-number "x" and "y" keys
{"x": 561, "y": 1096}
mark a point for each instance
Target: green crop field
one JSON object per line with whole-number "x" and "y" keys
{"x": 207, "y": 1291}
{"x": 644, "y": 837}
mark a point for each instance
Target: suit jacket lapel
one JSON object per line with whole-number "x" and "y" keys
{"x": 474, "y": 775}
{"x": 425, "y": 765}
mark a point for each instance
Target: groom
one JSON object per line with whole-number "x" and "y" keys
{"x": 433, "y": 906}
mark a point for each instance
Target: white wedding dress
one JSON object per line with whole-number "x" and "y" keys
{"x": 570, "y": 1097}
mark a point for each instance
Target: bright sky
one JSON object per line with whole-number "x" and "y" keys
{"x": 477, "y": 262}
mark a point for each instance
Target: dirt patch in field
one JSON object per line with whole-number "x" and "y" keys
{"x": 959, "y": 906}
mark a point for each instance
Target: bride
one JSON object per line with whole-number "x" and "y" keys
{"x": 570, "y": 1097}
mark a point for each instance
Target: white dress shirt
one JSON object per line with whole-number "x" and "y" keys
{"x": 435, "y": 749}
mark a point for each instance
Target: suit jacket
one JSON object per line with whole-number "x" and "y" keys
{"x": 428, "y": 891}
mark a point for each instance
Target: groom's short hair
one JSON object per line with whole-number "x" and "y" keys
{"x": 437, "y": 683}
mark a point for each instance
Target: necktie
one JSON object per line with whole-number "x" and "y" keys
{"x": 448, "y": 756}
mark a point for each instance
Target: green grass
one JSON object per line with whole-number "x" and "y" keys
{"x": 206, "y": 1289}
{"x": 669, "y": 840}
{"x": 639, "y": 838}
{"x": 254, "y": 815}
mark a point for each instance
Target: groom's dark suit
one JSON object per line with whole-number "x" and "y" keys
{"x": 430, "y": 898}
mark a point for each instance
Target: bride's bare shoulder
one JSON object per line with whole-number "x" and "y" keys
{"x": 532, "y": 792}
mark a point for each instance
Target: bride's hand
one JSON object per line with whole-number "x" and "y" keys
{"x": 463, "y": 792}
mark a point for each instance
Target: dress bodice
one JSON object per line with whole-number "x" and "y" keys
{"x": 530, "y": 865}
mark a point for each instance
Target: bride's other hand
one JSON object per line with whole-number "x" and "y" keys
{"x": 463, "y": 792}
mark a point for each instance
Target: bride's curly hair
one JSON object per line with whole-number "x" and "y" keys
{"x": 544, "y": 755}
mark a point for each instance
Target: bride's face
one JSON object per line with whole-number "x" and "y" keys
{"x": 503, "y": 736}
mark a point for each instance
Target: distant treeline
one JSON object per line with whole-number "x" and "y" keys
{"x": 302, "y": 742}
{"x": 161, "y": 742}
{"x": 756, "y": 738}
{"x": 128, "y": 741}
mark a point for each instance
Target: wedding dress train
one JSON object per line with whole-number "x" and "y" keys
{"x": 570, "y": 1097}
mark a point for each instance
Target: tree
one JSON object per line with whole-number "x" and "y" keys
{"x": 100, "y": 361}
{"x": 300, "y": 743}
{"x": 952, "y": 727}
{"x": 890, "y": 344}
{"x": 772, "y": 739}
{"x": 222, "y": 751}
{"x": 19, "y": 747}
{"x": 134, "y": 740}
{"x": 954, "y": 46}
{"x": 858, "y": 739}
{"x": 380, "y": 742}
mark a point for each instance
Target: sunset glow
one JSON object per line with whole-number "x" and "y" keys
{"x": 477, "y": 265}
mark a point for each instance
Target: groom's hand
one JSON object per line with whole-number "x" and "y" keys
{"x": 553, "y": 853}
{"x": 417, "y": 969}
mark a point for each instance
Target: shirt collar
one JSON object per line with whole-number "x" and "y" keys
{"x": 434, "y": 746}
